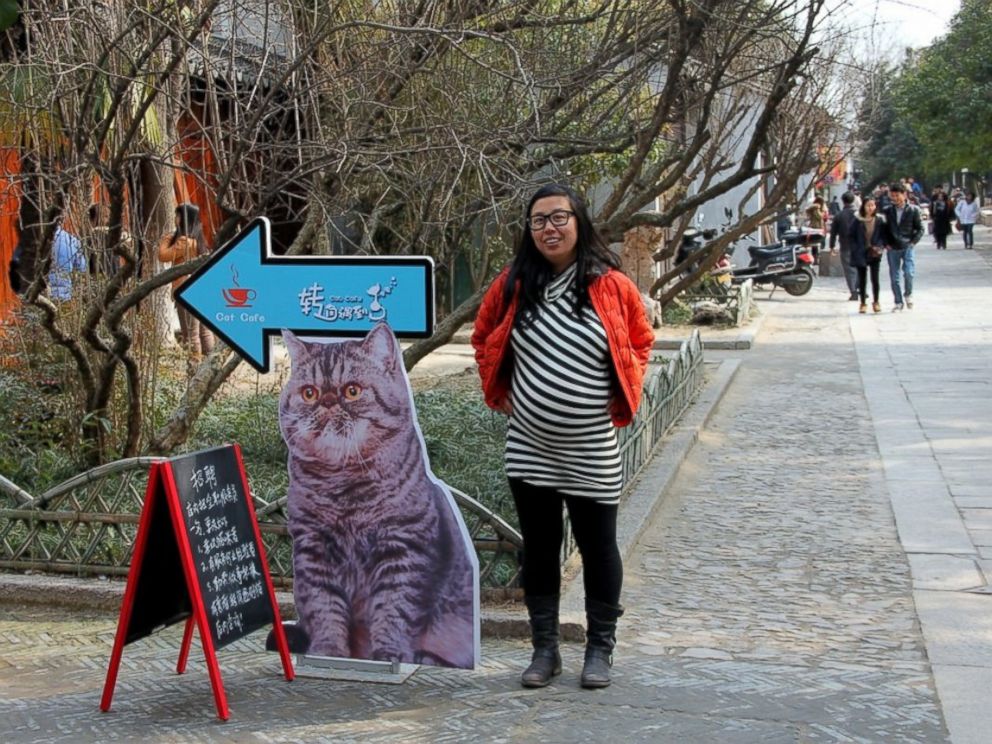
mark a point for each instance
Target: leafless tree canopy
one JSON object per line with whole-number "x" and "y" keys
{"x": 381, "y": 128}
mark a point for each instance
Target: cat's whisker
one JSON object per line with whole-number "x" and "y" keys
{"x": 362, "y": 462}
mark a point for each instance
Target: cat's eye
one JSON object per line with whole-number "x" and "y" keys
{"x": 309, "y": 393}
{"x": 351, "y": 391}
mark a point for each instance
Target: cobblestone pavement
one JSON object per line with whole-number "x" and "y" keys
{"x": 768, "y": 601}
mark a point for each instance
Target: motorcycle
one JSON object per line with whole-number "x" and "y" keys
{"x": 787, "y": 263}
{"x": 697, "y": 241}
{"x": 693, "y": 241}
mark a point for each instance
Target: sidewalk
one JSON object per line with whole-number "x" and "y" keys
{"x": 927, "y": 380}
{"x": 811, "y": 574}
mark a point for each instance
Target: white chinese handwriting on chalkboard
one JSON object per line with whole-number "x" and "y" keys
{"x": 205, "y": 477}
{"x": 211, "y": 499}
{"x": 236, "y": 576}
{"x": 225, "y": 553}
{"x": 228, "y": 559}
{"x": 225, "y": 607}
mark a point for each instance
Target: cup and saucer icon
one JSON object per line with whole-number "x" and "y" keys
{"x": 238, "y": 296}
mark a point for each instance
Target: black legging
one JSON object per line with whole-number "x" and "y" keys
{"x": 863, "y": 281}
{"x": 542, "y": 526}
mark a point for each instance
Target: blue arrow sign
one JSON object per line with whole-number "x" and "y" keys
{"x": 245, "y": 294}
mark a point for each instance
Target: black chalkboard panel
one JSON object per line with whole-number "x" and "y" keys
{"x": 223, "y": 540}
{"x": 161, "y": 597}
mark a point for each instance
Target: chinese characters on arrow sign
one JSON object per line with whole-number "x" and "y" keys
{"x": 226, "y": 561}
{"x": 335, "y": 307}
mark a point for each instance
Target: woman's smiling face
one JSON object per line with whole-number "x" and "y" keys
{"x": 556, "y": 244}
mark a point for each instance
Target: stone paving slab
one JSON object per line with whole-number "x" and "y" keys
{"x": 964, "y": 690}
{"x": 976, "y": 519}
{"x": 958, "y": 627}
{"x": 942, "y": 572}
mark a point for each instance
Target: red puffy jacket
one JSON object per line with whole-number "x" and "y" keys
{"x": 617, "y": 302}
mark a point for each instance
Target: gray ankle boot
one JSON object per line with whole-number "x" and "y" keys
{"x": 546, "y": 660}
{"x": 601, "y": 638}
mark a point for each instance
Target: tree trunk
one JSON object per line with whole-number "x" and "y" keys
{"x": 444, "y": 330}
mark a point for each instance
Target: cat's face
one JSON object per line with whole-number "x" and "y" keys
{"x": 344, "y": 401}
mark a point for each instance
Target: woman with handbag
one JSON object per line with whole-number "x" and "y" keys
{"x": 869, "y": 241}
{"x": 967, "y": 214}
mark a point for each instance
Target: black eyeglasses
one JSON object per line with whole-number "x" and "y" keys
{"x": 558, "y": 218}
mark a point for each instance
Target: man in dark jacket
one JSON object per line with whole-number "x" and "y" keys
{"x": 905, "y": 231}
{"x": 841, "y": 227}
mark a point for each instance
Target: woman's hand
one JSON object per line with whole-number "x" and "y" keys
{"x": 506, "y": 407}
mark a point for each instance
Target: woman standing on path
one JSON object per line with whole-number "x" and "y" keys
{"x": 185, "y": 244}
{"x": 868, "y": 243}
{"x": 562, "y": 344}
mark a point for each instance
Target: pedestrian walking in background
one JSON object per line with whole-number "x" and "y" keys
{"x": 869, "y": 239}
{"x": 817, "y": 217}
{"x": 840, "y": 231}
{"x": 967, "y": 214}
{"x": 905, "y": 230}
{"x": 834, "y": 207}
{"x": 882, "y": 198}
{"x": 783, "y": 222}
{"x": 562, "y": 344}
{"x": 67, "y": 257}
{"x": 942, "y": 217}
{"x": 185, "y": 244}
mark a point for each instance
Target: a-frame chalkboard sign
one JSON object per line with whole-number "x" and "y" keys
{"x": 198, "y": 557}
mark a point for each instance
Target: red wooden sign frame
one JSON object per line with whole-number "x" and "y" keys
{"x": 162, "y": 484}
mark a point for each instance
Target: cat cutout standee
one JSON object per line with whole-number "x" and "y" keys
{"x": 385, "y": 574}
{"x": 198, "y": 556}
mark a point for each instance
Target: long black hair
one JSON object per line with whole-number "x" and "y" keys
{"x": 190, "y": 227}
{"x": 532, "y": 271}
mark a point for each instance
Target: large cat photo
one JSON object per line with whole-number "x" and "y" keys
{"x": 383, "y": 566}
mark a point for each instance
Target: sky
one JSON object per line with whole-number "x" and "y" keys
{"x": 888, "y": 26}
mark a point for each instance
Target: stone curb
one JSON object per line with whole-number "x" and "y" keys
{"x": 743, "y": 339}
{"x": 497, "y": 622}
{"x": 72, "y": 593}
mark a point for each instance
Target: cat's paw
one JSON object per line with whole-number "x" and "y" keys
{"x": 387, "y": 654}
{"x": 296, "y": 638}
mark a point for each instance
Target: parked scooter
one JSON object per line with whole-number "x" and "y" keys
{"x": 693, "y": 241}
{"x": 787, "y": 263}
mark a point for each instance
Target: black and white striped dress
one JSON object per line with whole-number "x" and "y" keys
{"x": 560, "y": 434}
